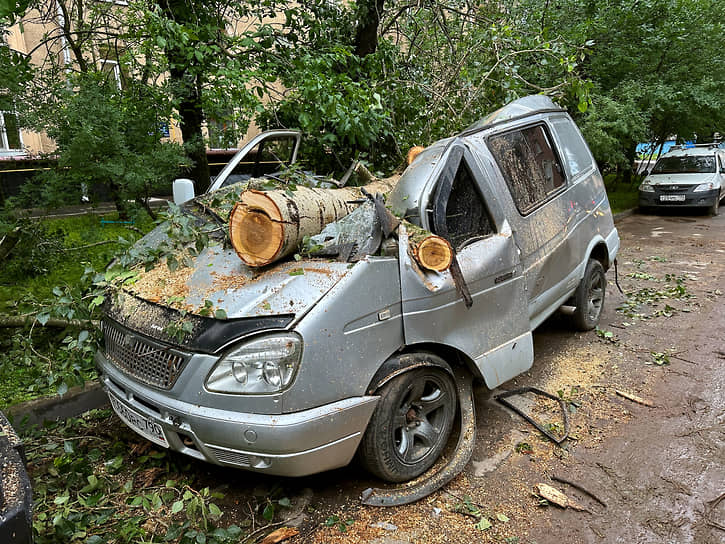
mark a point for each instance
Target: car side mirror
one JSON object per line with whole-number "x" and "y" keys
{"x": 646, "y": 172}
{"x": 183, "y": 190}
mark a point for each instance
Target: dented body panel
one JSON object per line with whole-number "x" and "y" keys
{"x": 521, "y": 201}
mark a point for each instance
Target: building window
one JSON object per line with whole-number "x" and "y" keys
{"x": 112, "y": 68}
{"x": 9, "y": 131}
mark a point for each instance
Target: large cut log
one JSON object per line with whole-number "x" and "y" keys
{"x": 430, "y": 251}
{"x": 265, "y": 226}
{"x": 433, "y": 253}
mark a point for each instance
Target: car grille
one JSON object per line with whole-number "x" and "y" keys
{"x": 147, "y": 361}
{"x": 674, "y": 188}
{"x": 230, "y": 456}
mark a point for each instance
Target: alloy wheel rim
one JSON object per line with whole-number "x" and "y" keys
{"x": 420, "y": 420}
{"x": 595, "y": 297}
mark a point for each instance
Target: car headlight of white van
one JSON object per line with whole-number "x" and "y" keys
{"x": 647, "y": 187}
{"x": 263, "y": 365}
{"x": 704, "y": 187}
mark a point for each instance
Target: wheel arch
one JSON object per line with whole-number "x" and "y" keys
{"x": 600, "y": 252}
{"x": 420, "y": 356}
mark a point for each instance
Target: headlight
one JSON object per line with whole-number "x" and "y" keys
{"x": 704, "y": 187}
{"x": 264, "y": 365}
{"x": 646, "y": 187}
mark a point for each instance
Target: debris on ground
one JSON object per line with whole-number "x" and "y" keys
{"x": 634, "y": 398}
{"x": 558, "y": 498}
{"x": 280, "y": 535}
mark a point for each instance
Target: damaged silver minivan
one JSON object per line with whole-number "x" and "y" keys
{"x": 314, "y": 360}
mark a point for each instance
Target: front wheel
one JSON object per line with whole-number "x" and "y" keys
{"x": 589, "y": 297}
{"x": 411, "y": 424}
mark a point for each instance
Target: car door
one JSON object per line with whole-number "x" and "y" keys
{"x": 529, "y": 164}
{"x": 266, "y": 153}
{"x": 494, "y": 331}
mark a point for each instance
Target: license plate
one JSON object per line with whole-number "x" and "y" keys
{"x": 144, "y": 426}
{"x": 672, "y": 198}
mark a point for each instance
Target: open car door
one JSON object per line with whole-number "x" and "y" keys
{"x": 267, "y": 152}
{"x": 495, "y": 330}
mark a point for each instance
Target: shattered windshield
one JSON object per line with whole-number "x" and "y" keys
{"x": 685, "y": 165}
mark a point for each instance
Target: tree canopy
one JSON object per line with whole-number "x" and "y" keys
{"x": 369, "y": 80}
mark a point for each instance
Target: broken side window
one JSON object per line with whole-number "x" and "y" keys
{"x": 461, "y": 215}
{"x": 529, "y": 165}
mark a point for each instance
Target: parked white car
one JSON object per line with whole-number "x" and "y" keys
{"x": 686, "y": 177}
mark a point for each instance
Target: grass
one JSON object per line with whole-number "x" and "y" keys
{"x": 622, "y": 196}
{"x": 47, "y": 259}
{"x": 36, "y": 361}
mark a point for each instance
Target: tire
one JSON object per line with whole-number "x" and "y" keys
{"x": 411, "y": 424}
{"x": 589, "y": 297}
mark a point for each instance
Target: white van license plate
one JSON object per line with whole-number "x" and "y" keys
{"x": 672, "y": 198}
{"x": 144, "y": 426}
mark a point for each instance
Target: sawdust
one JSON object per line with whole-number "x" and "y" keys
{"x": 227, "y": 282}
{"x": 161, "y": 285}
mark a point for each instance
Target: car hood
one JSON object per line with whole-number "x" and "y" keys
{"x": 218, "y": 280}
{"x": 680, "y": 179}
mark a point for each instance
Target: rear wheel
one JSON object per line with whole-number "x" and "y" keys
{"x": 411, "y": 424}
{"x": 589, "y": 297}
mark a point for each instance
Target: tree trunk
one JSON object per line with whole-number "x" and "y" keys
{"x": 185, "y": 78}
{"x": 265, "y": 226}
{"x": 631, "y": 154}
{"x": 368, "y": 21}
{"x": 192, "y": 119}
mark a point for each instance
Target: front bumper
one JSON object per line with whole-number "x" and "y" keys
{"x": 687, "y": 198}
{"x": 296, "y": 444}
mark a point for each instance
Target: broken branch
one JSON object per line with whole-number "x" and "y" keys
{"x": 429, "y": 251}
{"x": 9, "y": 321}
{"x": 555, "y": 496}
{"x": 634, "y": 398}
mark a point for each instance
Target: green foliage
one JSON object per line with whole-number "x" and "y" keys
{"x": 10, "y": 9}
{"x": 656, "y": 68}
{"x": 38, "y": 249}
{"x": 105, "y": 137}
{"x": 423, "y": 82}
{"x": 622, "y": 196}
{"x": 90, "y": 487}
{"x": 336, "y": 521}
{"x": 38, "y": 361}
{"x": 647, "y": 302}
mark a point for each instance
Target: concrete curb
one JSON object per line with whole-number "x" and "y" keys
{"x": 626, "y": 213}
{"x": 98, "y": 208}
{"x": 76, "y": 401}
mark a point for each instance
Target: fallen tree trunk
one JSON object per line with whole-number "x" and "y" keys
{"x": 265, "y": 226}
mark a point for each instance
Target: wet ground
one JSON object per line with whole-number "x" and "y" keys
{"x": 652, "y": 474}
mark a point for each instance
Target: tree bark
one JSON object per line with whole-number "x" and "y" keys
{"x": 186, "y": 81}
{"x": 265, "y": 226}
{"x": 429, "y": 250}
{"x": 368, "y": 21}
